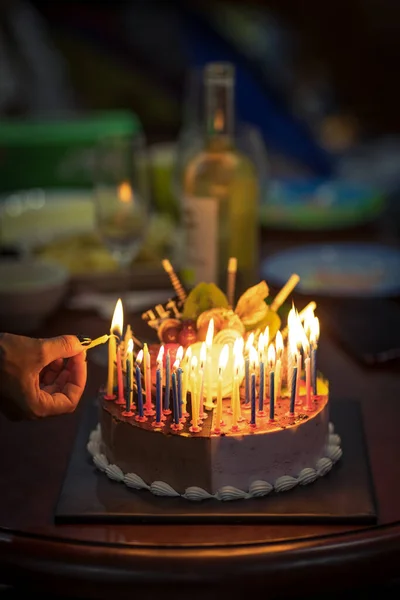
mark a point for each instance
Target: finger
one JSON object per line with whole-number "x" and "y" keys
{"x": 64, "y": 346}
{"x": 51, "y": 372}
{"x": 77, "y": 368}
{"x": 58, "y": 403}
{"x": 58, "y": 384}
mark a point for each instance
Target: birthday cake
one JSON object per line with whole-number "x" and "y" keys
{"x": 226, "y": 406}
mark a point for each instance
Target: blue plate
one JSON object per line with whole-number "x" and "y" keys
{"x": 344, "y": 269}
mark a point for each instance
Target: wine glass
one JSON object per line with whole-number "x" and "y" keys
{"x": 121, "y": 191}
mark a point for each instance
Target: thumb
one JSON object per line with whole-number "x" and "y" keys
{"x": 63, "y": 346}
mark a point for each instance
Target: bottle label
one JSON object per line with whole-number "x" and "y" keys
{"x": 201, "y": 230}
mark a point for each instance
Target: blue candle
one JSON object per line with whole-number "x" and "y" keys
{"x": 175, "y": 398}
{"x": 179, "y": 377}
{"x": 293, "y": 390}
{"x": 167, "y": 382}
{"x": 261, "y": 392}
{"x": 314, "y": 369}
{"x": 138, "y": 377}
{"x": 253, "y": 399}
{"x": 272, "y": 395}
{"x": 128, "y": 386}
{"x": 158, "y": 395}
{"x": 247, "y": 380}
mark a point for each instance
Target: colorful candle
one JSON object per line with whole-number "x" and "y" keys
{"x": 223, "y": 360}
{"x": 116, "y": 329}
{"x": 185, "y": 381}
{"x": 249, "y": 344}
{"x": 293, "y": 392}
{"x": 203, "y": 359}
{"x": 271, "y": 363}
{"x": 138, "y": 376}
{"x": 120, "y": 380}
{"x": 147, "y": 380}
{"x": 179, "y": 356}
{"x": 193, "y": 394}
{"x": 253, "y": 394}
{"x": 261, "y": 372}
{"x": 209, "y": 342}
{"x": 129, "y": 380}
{"x": 314, "y": 345}
{"x": 307, "y": 368}
{"x": 175, "y": 398}
{"x": 159, "y": 374}
{"x": 278, "y": 365}
{"x": 167, "y": 390}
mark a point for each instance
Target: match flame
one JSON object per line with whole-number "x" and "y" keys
{"x": 223, "y": 358}
{"x": 139, "y": 357}
{"x": 129, "y": 348}
{"x": 279, "y": 344}
{"x": 203, "y": 354}
{"x": 250, "y": 341}
{"x": 253, "y": 358}
{"x": 125, "y": 193}
{"x": 271, "y": 355}
{"x": 193, "y": 363}
{"x": 160, "y": 355}
{"x": 179, "y": 353}
{"x": 117, "y": 323}
{"x": 210, "y": 334}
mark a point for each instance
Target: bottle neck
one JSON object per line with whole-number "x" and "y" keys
{"x": 219, "y": 112}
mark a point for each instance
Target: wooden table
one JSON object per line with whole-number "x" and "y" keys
{"x": 117, "y": 561}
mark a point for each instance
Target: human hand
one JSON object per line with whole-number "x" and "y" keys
{"x": 40, "y": 377}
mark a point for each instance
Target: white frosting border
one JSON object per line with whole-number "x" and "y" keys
{"x": 257, "y": 489}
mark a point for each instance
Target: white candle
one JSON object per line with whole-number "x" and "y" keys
{"x": 223, "y": 360}
{"x": 185, "y": 382}
{"x": 193, "y": 393}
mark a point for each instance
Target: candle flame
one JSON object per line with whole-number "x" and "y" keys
{"x": 240, "y": 345}
{"x": 117, "y": 323}
{"x": 266, "y": 336}
{"x": 188, "y": 354}
{"x": 279, "y": 344}
{"x": 193, "y": 363}
{"x": 139, "y": 357}
{"x": 223, "y": 358}
{"x": 314, "y": 332}
{"x": 261, "y": 344}
{"x": 249, "y": 343}
{"x": 305, "y": 343}
{"x": 253, "y": 357}
{"x": 203, "y": 354}
{"x": 292, "y": 318}
{"x": 271, "y": 355}
{"x": 125, "y": 193}
{"x": 129, "y": 349}
{"x": 210, "y": 333}
{"x": 179, "y": 353}
{"x": 176, "y": 364}
{"x": 160, "y": 355}
{"x": 293, "y": 346}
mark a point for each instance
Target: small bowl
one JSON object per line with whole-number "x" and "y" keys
{"x": 30, "y": 291}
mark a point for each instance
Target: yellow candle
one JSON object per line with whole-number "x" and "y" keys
{"x": 193, "y": 393}
{"x": 116, "y": 329}
{"x": 223, "y": 360}
{"x": 147, "y": 380}
{"x": 209, "y": 341}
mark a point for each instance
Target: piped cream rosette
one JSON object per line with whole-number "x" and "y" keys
{"x": 228, "y": 372}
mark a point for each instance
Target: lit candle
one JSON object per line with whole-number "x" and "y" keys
{"x": 302, "y": 315}
{"x": 261, "y": 369}
{"x": 278, "y": 366}
{"x": 147, "y": 380}
{"x": 230, "y": 287}
{"x": 291, "y": 325}
{"x": 175, "y": 396}
{"x": 167, "y": 390}
{"x": 253, "y": 364}
{"x": 203, "y": 358}
{"x": 293, "y": 382}
{"x": 249, "y": 344}
{"x": 314, "y": 345}
{"x": 209, "y": 341}
{"x": 185, "y": 381}
{"x": 127, "y": 337}
{"x": 129, "y": 380}
{"x": 223, "y": 360}
{"x": 159, "y": 372}
{"x": 112, "y": 348}
{"x": 271, "y": 363}
{"x": 307, "y": 368}
{"x": 120, "y": 380}
{"x": 138, "y": 376}
{"x": 179, "y": 356}
{"x": 193, "y": 394}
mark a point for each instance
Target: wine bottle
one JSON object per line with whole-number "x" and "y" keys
{"x": 220, "y": 194}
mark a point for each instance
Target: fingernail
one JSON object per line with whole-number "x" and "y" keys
{"x": 84, "y": 339}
